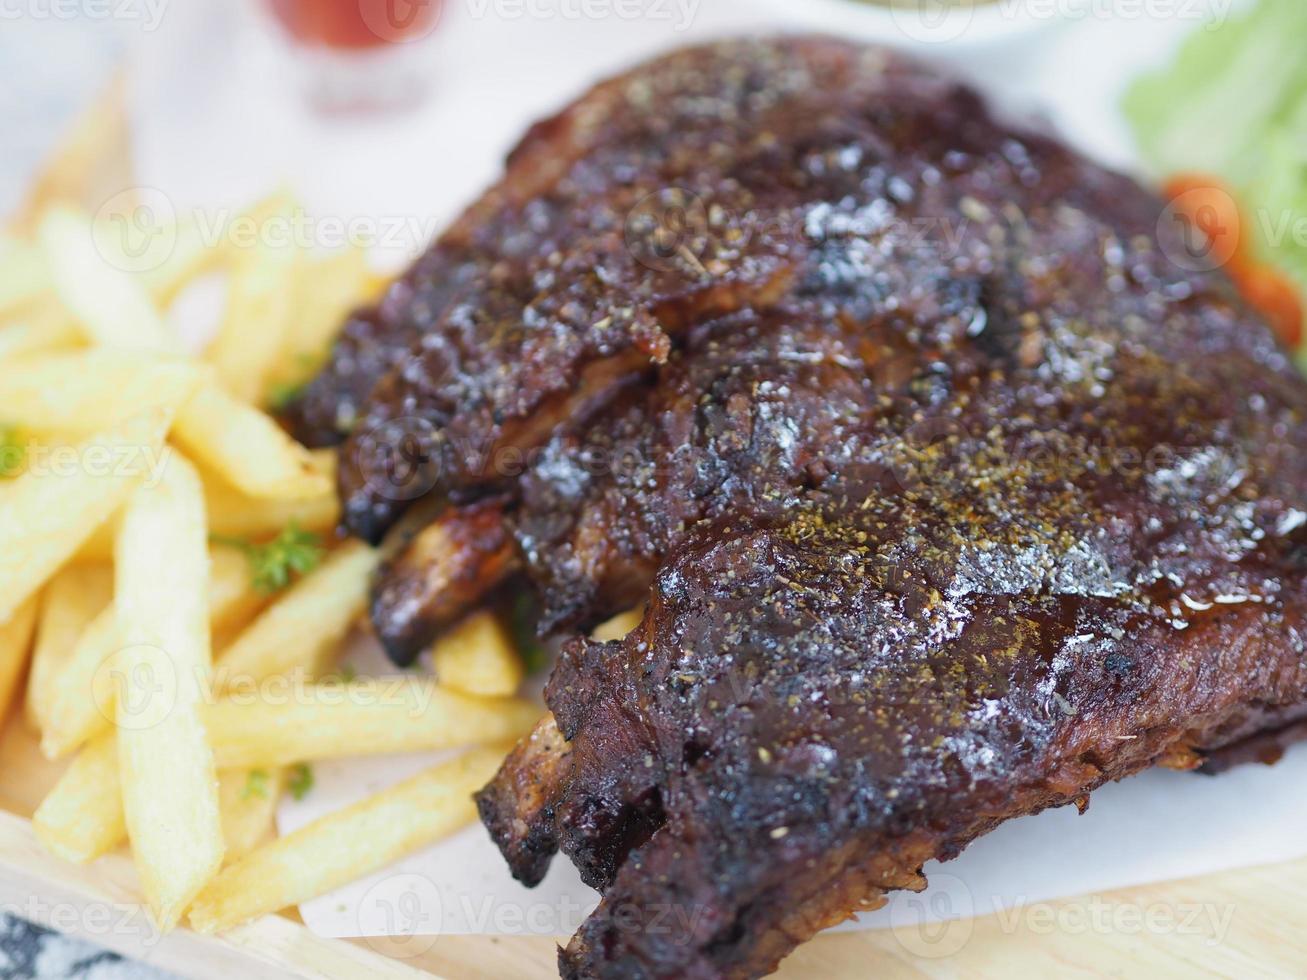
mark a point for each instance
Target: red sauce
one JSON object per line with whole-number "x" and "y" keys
{"x": 357, "y": 24}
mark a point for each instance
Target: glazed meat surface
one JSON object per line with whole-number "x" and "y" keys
{"x": 950, "y": 490}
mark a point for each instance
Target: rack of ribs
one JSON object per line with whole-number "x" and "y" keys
{"x": 950, "y": 486}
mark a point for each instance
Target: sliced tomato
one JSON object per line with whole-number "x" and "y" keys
{"x": 1210, "y": 205}
{"x": 1207, "y": 203}
{"x": 1277, "y": 297}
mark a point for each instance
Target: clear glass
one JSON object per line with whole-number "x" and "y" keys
{"x": 360, "y": 56}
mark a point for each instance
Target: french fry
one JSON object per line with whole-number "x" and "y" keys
{"x": 370, "y": 716}
{"x": 93, "y": 835}
{"x": 619, "y": 626}
{"x": 343, "y": 846}
{"x": 312, "y": 615}
{"x": 234, "y": 515}
{"x": 50, "y": 511}
{"x": 233, "y": 600}
{"x": 82, "y": 817}
{"x": 98, "y": 548}
{"x": 247, "y": 448}
{"x": 326, "y": 291}
{"x": 15, "y": 645}
{"x": 259, "y": 307}
{"x": 81, "y": 703}
{"x": 248, "y": 800}
{"x": 190, "y": 257}
{"x": 24, "y": 275}
{"x": 82, "y": 700}
{"x": 169, "y": 782}
{"x": 478, "y": 657}
{"x": 68, "y": 604}
{"x": 112, "y": 306}
{"x": 84, "y": 391}
{"x": 44, "y": 329}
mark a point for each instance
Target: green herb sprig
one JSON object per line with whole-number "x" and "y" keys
{"x": 275, "y": 563}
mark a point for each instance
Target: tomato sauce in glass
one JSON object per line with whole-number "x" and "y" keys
{"x": 357, "y": 24}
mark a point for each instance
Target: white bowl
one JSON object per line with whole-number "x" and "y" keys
{"x": 928, "y": 26}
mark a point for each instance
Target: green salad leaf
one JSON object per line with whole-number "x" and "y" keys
{"x": 1233, "y": 103}
{"x": 1233, "y": 84}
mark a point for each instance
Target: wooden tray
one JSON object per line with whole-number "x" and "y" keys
{"x": 1141, "y": 932}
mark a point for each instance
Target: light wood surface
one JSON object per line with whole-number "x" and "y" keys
{"x": 1245, "y": 924}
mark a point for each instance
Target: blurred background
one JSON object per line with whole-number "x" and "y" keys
{"x": 402, "y": 107}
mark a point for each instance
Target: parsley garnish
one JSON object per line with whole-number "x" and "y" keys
{"x": 347, "y": 673}
{"x": 300, "y": 781}
{"x": 256, "y": 785}
{"x": 280, "y": 396}
{"x": 283, "y": 393}
{"x": 292, "y": 552}
{"x": 12, "y": 453}
{"x": 523, "y": 618}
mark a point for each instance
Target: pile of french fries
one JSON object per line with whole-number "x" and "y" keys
{"x": 141, "y": 485}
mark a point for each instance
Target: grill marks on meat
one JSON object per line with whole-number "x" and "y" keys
{"x": 950, "y": 497}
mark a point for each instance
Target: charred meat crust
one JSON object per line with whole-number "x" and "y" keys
{"x": 799, "y": 711}
{"x": 1062, "y": 542}
{"x": 519, "y": 807}
{"x": 956, "y": 497}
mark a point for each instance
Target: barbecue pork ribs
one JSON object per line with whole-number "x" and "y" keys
{"x": 951, "y": 486}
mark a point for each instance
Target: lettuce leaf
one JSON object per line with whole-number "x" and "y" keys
{"x": 1232, "y": 85}
{"x": 1276, "y": 200}
{"x": 1233, "y": 103}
